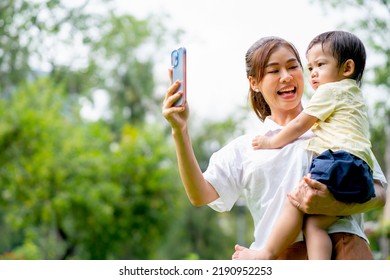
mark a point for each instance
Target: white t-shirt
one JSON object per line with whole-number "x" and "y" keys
{"x": 264, "y": 177}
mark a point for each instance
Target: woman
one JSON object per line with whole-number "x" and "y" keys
{"x": 265, "y": 177}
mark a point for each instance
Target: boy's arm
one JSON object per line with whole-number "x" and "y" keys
{"x": 295, "y": 128}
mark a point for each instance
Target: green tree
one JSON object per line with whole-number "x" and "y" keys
{"x": 89, "y": 50}
{"x": 73, "y": 189}
{"x": 31, "y": 33}
{"x": 125, "y": 55}
{"x": 69, "y": 191}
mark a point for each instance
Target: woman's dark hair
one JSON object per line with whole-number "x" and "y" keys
{"x": 343, "y": 45}
{"x": 256, "y": 59}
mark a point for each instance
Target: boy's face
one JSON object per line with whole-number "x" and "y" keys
{"x": 322, "y": 66}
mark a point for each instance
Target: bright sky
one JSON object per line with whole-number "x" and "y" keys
{"x": 217, "y": 36}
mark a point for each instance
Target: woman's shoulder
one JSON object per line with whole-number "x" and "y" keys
{"x": 240, "y": 142}
{"x": 243, "y": 142}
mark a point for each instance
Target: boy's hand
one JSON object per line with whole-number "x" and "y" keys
{"x": 261, "y": 142}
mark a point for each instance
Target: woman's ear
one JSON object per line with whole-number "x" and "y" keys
{"x": 253, "y": 83}
{"x": 348, "y": 68}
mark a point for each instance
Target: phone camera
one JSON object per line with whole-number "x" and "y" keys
{"x": 175, "y": 58}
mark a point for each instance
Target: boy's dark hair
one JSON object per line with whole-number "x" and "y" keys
{"x": 343, "y": 46}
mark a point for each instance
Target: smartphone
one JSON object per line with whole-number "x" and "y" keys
{"x": 179, "y": 72}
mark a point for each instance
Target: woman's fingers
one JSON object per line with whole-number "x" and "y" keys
{"x": 172, "y": 96}
{"x": 314, "y": 184}
{"x": 168, "y": 107}
{"x": 172, "y": 89}
{"x": 170, "y": 72}
{"x": 175, "y": 115}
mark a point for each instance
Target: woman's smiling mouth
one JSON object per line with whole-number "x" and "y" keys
{"x": 287, "y": 91}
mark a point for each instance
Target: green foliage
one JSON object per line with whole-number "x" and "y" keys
{"x": 73, "y": 189}
{"x": 110, "y": 52}
{"x": 143, "y": 164}
{"x": 371, "y": 24}
{"x": 378, "y": 132}
{"x": 68, "y": 191}
{"x": 200, "y": 234}
{"x": 125, "y": 76}
{"x": 31, "y": 32}
{"x": 210, "y": 136}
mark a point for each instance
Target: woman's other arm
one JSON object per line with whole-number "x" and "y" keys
{"x": 313, "y": 197}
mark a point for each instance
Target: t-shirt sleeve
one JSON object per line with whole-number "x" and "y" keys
{"x": 322, "y": 104}
{"x": 378, "y": 173}
{"x": 224, "y": 173}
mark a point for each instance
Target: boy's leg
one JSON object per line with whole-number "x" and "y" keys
{"x": 318, "y": 242}
{"x": 284, "y": 233}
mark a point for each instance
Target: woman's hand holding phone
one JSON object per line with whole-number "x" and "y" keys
{"x": 176, "y": 115}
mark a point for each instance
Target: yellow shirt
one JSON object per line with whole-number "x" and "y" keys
{"x": 343, "y": 121}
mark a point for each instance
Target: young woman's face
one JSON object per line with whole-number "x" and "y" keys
{"x": 323, "y": 67}
{"x": 283, "y": 83}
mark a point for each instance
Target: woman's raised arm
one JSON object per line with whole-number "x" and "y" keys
{"x": 199, "y": 191}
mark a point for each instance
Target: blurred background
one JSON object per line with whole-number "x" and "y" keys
{"x": 87, "y": 163}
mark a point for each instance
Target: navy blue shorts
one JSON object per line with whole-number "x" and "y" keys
{"x": 348, "y": 177}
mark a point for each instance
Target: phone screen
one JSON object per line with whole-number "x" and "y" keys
{"x": 179, "y": 69}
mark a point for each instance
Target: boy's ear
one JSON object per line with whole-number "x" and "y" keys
{"x": 348, "y": 68}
